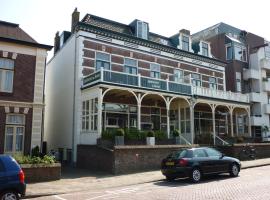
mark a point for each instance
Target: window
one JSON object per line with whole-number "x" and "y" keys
{"x": 6, "y": 75}
{"x": 240, "y": 125}
{"x": 199, "y": 153}
{"x": 185, "y": 43}
{"x": 178, "y": 75}
{"x": 103, "y": 60}
{"x": 267, "y": 51}
{"x": 142, "y": 30}
{"x": 229, "y": 53}
{"x": 196, "y": 80}
{"x": 205, "y": 51}
{"x": 212, "y": 83}
{"x": 131, "y": 66}
{"x": 94, "y": 113}
{"x": 212, "y": 152}
{"x": 155, "y": 70}
{"x": 85, "y": 115}
{"x": 238, "y": 82}
{"x": 14, "y": 133}
{"x": 240, "y": 53}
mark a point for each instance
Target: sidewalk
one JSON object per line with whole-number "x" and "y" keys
{"x": 75, "y": 180}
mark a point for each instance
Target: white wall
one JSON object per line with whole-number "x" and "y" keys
{"x": 59, "y": 95}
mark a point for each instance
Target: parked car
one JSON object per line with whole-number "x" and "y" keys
{"x": 12, "y": 184}
{"x": 198, "y": 162}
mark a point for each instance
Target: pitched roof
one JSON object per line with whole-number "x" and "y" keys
{"x": 11, "y": 32}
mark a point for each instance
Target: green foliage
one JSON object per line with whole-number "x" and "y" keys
{"x": 119, "y": 132}
{"x": 160, "y": 135}
{"x": 35, "y": 152}
{"x": 150, "y": 134}
{"x": 134, "y": 134}
{"x": 108, "y": 134}
{"x": 34, "y": 159}
{"x": 176, "y": 133}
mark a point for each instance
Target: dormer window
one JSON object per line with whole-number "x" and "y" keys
{"x": 205, "y": 49}
{"x": 185, "y": 43}
{"x": 142, "y": 30}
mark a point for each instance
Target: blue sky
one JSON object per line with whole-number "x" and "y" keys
{"x": 42, "y": 18}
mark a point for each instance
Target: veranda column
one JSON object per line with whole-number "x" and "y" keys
{"x": 139, "y": 112}
{"x": 191, "y": 108}
{"x": 249, "y": 123}
{"x": 179, "y": 117}
{"x": 214, "y": 123}
{"x": 99, "y": 122}
{"x": 231, "y": 121}
{"x": 168, "y": 117}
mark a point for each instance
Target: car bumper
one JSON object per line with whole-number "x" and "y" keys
{"x": 22, "y": 189}
{"x": 180, "y": 172}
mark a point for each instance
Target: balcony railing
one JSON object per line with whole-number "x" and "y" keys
{"x": 131, "y": 80}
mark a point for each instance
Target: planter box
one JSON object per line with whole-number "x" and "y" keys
{"x": 41, "y": 172}
{"x": 119, "y": 140}
{"x": 150, "y": 140}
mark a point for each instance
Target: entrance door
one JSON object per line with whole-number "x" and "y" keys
{"x": 156, "y": 122}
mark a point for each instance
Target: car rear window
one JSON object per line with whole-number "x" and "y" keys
{"x": 180, "y": 154}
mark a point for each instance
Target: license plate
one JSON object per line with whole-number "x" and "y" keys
{"x": 169, "y": 163}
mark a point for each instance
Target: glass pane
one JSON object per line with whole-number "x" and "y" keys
{"x": 130, "y": 62}
{"x": 9, "y": 143}
{"x": 155, "y": 67}
{"x": 237, "y": 53}
{"x": 95, "y": 122}
{"x": 9, "y": 130}
{"x": 6, "y": 63}
{"x": 229, "y": 53}
{"x": 19, "y": 141}
{"x": 103, "y": 56}
{"x": 15, "y": 119}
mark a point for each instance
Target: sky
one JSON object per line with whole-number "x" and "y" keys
{"x": 41, "y": 19}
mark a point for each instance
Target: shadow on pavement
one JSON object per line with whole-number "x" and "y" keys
{"x": 186, "y": 181}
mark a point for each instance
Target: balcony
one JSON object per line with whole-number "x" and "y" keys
{"x": 251, "y": 74}
{"x": 142, "y": 82}
{"x": 256, "y": 121}
{"x": 255, "y": 97}
{"x": 265, "y": 63}
{"x": 267, "y": 108}
{"x": 266, "y": 86}
{"x": 220, "y": 94}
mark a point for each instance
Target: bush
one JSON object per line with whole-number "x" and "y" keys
{"x": 150, "y": 134}
{"x": 35, "y": 152}
{"x": 176, "y": 133}
{"x": 34, "y": 160}
{"x": 133, "y": 134}
{"x": 120, "y": 132}
{"x": 108, "y": 134}
{"x": 160, "y": 135}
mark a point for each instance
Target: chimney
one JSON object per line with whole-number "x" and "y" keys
{"x": 75, "y": 18}
{"x": 56, "y": 42}
{"x": 184, "y": 31}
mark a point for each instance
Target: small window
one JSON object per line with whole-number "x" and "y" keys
{"x": 196, "y": 80}
{"x": 103, "y": 60}
{"x": 229, "y": 53}
{"x": 212, "y": 152}
{"x": 155, "y": 70}
{"x": 212, "y": 83}
{"x": 185, "y": 43}
{"x": 142, "y": 30}
{"x": 238, "y": 82}
{"x": 240, "y": 53}
{"x": 178, "y": 75}
{"x": 205, "y": 50}
{"x": 199, "y": 153}
{"x": 131, "y": 66}
{"x": 6, "y": 75}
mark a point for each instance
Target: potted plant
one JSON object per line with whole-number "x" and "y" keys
{"x": 150, "y": 139}
{"x": 119, "y": 137}
{"x": 176, "y": 135}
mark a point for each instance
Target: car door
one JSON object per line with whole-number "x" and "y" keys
{"x": 219, "y": 164}
{"x": 200, "y": 157}
{"x": 3, "y": 178}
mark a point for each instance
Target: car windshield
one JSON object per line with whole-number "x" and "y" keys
{"x": 178, "y": 154}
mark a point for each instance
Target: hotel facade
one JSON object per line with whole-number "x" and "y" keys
{"x": 107, "y": 75}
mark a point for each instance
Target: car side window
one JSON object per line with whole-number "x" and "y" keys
{"x": 213, "y": 152}
{"x": 199, "y": 153}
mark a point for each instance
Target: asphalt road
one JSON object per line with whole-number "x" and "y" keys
{"x": 253, "y": 183}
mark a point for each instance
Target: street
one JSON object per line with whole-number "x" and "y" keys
{"x": 252, "y": 184}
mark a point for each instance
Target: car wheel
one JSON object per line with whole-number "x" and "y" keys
{"x": 234, "y": 170}
{"x": 196, "y": 175}
{"x": 170, "y": 178}
{"x": 9, "y": 195}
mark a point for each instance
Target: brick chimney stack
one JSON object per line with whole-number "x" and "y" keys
{"x": 75, "y": 18}
{"x": 56, "y": 42}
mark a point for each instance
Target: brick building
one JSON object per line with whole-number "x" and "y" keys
{"x": 22, "y": 69}
{"x": 112, "y": 75}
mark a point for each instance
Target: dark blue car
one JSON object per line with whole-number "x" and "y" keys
{"x": 12, "y": 183}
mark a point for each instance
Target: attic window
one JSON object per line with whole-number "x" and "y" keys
{"x": 142, "y": 30}
{"x": 205, "y": 51}
{"x": 164, "y": 42}
{"x": 185, "y": 43}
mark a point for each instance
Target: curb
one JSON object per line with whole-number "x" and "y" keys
{"x": 155, "y": 180}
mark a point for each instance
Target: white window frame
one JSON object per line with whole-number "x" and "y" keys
{"x": 144, "y": 31}
{"x": 130, "y": 66}
{"x": 152, "y": 66}
{"x": 229, "y": 45}
{"x": 102, "y": 60}
{"x": 177, "y": 75}
{"x": 238, "y": 81}
{"x": 85, "y": 116}
{"x": 3, "y": 75}
{"x": 182, "y": 41}
{"x": 203, "y": 48}
{"x": 242, "y": 48}
{"x": 14, "y": 126}
{"x": 212, "y": 85}
{"x": 196, "y": 81}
